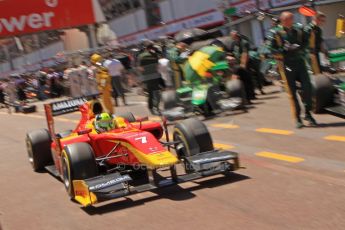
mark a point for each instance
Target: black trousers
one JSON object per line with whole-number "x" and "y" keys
{"x": 247, "y": 80}
{"x": 154, "y": 98}
{"x": 296, "y": 71}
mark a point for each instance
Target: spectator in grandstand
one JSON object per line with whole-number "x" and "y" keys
{"x": 55, "y": 87}
{"x": 42, "y": 83}
{"x": 11, "y": 89}
{"x": 20, "y": 88}
{"x": 3, "y": 103}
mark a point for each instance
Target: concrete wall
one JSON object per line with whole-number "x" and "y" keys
{"x": 4, "y": 67}
{"x": 32, "y": 60}
{"x": 185, "y": 8}
{"x": 37, "y": 56}
{"x": 166, "y": 11}
{"x": 129, "y": 23}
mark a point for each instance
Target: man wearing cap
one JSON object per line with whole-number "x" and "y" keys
{"x": 288, "y": 43}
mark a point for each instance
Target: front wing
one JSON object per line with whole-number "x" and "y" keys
{"x": 91, "y": 191}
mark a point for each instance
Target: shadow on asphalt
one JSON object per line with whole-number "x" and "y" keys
{"x": 329, "y": 125}
{"x": 256, "y": 102}
{"x": 175, "y": 193}
{"x": 227, "y": 113}
{"x": 268, "y": 98}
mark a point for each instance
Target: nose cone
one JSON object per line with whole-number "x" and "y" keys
{"x": 162, "y": 159}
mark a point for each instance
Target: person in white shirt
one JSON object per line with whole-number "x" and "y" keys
{"x": 115, "y": 70}
{"x": 165, "y": 70}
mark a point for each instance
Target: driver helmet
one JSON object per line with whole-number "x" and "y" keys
{"x": 104, "y": 122}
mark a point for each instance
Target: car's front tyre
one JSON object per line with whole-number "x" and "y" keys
{"x": 78, "y": 163}
{"x": 38, "y": 145}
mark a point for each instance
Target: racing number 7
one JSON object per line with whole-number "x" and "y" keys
{"x": 143, "y": 139}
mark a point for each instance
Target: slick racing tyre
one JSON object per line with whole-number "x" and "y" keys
{"x": 193, "y": 137}
{"x": 323, "y": 93}
{"x": 78, "y": 163}
{"x": 169, "y": 99}
{"x": 38, "y": 147}
{"x": 235, "y": 88}
{"x": 127, "y": 116}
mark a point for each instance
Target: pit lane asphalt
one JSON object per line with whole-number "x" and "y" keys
{"x": 293, "y": 179}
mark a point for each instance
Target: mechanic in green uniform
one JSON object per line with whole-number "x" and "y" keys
{"x": 178, "y": 55}
{"x": 240, "y": 48}
{"x": 316, "y": 45}
{"x": 288, "y": 43}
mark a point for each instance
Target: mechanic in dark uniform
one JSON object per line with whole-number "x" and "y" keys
{"x": 316, "y": 45}
{"x": 240, "y": 50}
{"x": 148, "y": 66}
{"x": 288, "y": 43}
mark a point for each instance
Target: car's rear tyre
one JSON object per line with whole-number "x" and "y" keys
{"x": 78, "y": 163}
{"x": 169, "y": 99}
{"x": 235, "y": 88}
{"x": 38, "y": 146}
{"x": 323, "y": 93}
{"x": 127, "y": 116}
{"x": 193, "y": 137}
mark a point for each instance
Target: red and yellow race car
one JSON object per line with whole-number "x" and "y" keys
{"x": 96, "y": 166}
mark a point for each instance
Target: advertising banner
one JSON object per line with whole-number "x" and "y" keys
{"x": 22, "y": 17}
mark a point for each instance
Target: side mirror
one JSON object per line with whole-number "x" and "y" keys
{"x": 84, "y": 131}
{"x": 141, "y": 119}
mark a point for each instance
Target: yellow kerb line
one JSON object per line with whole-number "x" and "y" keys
{"x": 223, "y": 146}
{"x": 281, "y": 157}
{"x": 225, "y": 126}
{"x": 335, "y": 138}
{"x": 274, "y": 131}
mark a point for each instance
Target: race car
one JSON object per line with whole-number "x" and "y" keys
{"x": 96, "y": 166}
{"x": 329, "y": 94}
{"x": 206, "y": 96}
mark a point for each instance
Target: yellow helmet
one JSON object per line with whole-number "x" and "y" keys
{"x": 96, "y": 58}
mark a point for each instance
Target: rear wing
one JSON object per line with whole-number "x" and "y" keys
{"x": 64, "y": 107}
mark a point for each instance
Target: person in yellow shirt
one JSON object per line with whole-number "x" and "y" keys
{"x": 103, "y": 80}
